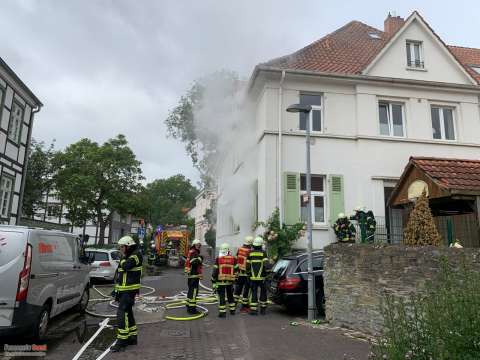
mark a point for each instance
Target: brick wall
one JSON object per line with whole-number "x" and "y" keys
{"x": 357, "y": 277}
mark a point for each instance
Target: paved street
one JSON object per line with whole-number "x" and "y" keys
{"x": 237, "y": 337}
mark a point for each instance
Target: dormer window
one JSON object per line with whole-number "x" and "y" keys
{"x": 415, "y": 55}
{"x": 476, "y": 68}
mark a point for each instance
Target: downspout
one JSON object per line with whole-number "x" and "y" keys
{"x": 25, "y": 164}
{"x": 279, "y": 151}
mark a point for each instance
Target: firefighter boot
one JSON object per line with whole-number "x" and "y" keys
{"x": 222, "y": 315}
{"x": 263, "y": 311}
{"x": 232, "y": 312}
{"x": 132, "y": 340}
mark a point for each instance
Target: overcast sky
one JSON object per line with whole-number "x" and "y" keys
{"x": 107, "y": 67}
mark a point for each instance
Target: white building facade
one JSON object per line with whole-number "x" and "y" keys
{"x": 18, "y": 106}
{"x": 378, "y": 98}
{"x": 203, "y": 202}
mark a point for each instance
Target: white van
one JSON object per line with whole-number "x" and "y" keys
{"x": 42, "y": 274}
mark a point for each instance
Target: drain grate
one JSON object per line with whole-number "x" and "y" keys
{"x": 175, "y": 333}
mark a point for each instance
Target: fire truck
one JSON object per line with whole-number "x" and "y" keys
{"x": 171, "y": 246}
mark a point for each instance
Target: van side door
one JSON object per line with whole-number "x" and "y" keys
{"x": 58, "y": 257}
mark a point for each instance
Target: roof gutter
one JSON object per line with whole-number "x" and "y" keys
{"x": 359, "y": 78}
{"x": 280, "y": 148}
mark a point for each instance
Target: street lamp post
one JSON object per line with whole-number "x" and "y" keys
{"x": 306, "y": 109}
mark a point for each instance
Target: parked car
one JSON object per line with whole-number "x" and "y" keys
{"x": 288, "y": 281}
{"x": 42, "y": 274}
{"x": 104, "y": 263}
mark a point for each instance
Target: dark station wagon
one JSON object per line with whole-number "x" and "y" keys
{"x": 288, "y": 283}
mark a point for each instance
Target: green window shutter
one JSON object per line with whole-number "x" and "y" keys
{"x": 291, "y": 198}
{"x": 336, "y": 197}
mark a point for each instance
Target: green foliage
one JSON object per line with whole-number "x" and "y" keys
{"x": 168, "y": 199}
{"x": 95, "y": 180}
{"x": 39, "y": 178}
{"x": 280, "y": 241}
{"x": 202, "y": 146}
{"x": 443, "y": 323}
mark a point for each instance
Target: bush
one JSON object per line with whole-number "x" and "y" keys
{"x": 279, "y": 241}
{"x": 441, "y": 324}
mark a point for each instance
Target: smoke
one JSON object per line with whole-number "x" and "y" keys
{"x": 224, "y": 125}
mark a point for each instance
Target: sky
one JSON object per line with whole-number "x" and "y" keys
{"x": 103, "y": 67}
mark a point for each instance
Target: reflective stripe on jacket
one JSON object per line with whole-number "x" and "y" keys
{"x": 224, "y": 269}
{"x": 242, "y": 255}
{"x": 129, "y": 273}
{"x": 257, "y": 263}
{"x": 193, "y": 265}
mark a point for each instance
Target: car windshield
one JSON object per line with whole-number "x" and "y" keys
{"x": 280, "y": 267}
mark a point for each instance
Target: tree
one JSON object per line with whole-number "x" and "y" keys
{"x": 421, "y": 229}
{"x": 39, "y": 178}
{"x": 189, "y": 121}
{"x": 168, "y": 199}
{"x": 95, "y": 180}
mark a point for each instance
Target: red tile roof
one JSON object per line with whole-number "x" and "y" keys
{"x": 451, "y": 174}
{"x": 350, "y": 49}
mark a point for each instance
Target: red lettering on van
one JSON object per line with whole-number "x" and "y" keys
{"x": 45, "y": 248}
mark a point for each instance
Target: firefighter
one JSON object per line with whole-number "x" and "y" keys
{"x": 127, "y": 285}
{"x": 223, "y": 277}
{"x": 193, "y": 270}
{"x": 242, "y": 285}
{"x": 257, "y": 266}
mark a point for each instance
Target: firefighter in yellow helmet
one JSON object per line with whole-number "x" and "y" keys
{"x": 193, "y": 270}
{"x": 257, "y": 266}
{"x": 242, "y": 285}
{"x": 127, "y": 285}
{"x": 223, "y": 276}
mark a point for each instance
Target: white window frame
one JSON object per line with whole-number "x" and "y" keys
{"x": 390, "y": 118}
{"x": 410, "y": 47}
{"x": 6, "y": 195}
{"x": 442, "y": 121}
{"x": 310, "y": 115}
{"x": 18, "y": 127}
{"x": 312, "y": 201}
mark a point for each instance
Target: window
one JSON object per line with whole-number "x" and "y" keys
{"x": 475, "y": 68}
{"x": 415, "y": 54}
{"x": 318, "y": 199}
{"x": 391, "y": 119}
{"x": 443, "y": 126}
{"x": 15, "y": 125}
{"x": 6, "y": 186}
{"x": 54, "y": 210}
{"x": 317, "y": 265}
{"x": 56, "y": 248}
{"x": 315, "y": 116}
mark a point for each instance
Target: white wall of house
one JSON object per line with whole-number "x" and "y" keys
{"x": 350, "y": 143}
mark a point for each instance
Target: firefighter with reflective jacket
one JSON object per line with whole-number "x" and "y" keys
{"x": 223, "y": 277}
{"x": 127, "y": 285}
{"x": 257, "y": 266}
{"x": 242, "y": 285}
{"x": 193, "y": 270}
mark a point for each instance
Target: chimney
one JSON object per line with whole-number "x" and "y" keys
{"x": 392, "y": 24}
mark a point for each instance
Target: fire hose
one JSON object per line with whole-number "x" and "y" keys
{"x": 168, "y": 303}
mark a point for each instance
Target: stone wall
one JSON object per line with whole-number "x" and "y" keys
{"x": 357, "y": 277}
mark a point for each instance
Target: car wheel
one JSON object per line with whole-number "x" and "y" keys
{"x": 41, "y": 326}
{"x": 83, "y": 303}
